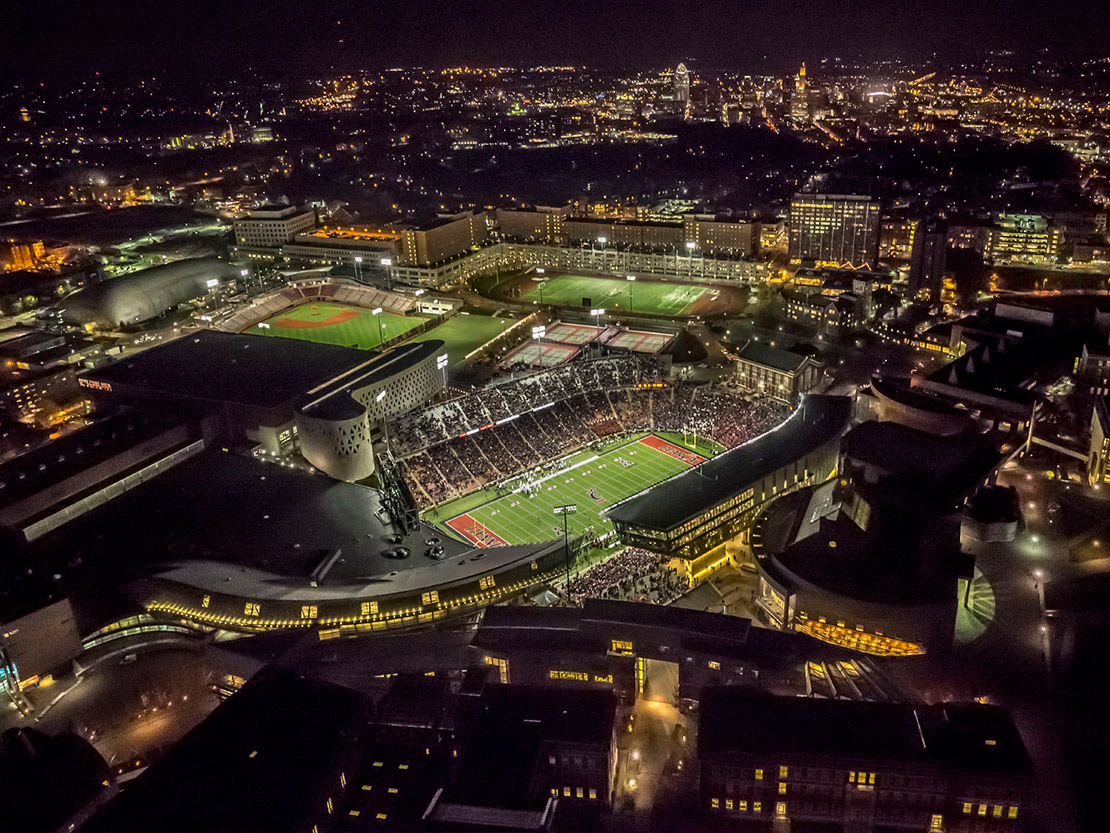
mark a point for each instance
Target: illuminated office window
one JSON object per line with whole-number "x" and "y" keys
{"x": 782, "y": 788}
{"x": 757, "y": 806}
{"x": 967, "y": 808}
{"x": 743, "y": 806}
{"x": 784, "y": 771}
{"x": 715, "y": 803}
{"x": 728, "y": 803}
{"x": 780, "y": 809}
{"x": 566, "y": 792}
{"x": 997, "y": 812}
{"x": 1013, "y": 812}
{"x": 982, "y": 809}
{"x": 329, "y": 805}
{"x": 759, "y": 775}
{"x": 593, "y": 793}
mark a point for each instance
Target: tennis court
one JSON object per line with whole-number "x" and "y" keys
{"x": 540, "y": 354}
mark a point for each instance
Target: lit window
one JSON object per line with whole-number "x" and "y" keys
{"x": 997, "y": 812}
{"x": 782, "y": 788}
{"x": 1013, "y": 812}
{"x": 252, "y": 609}
{"x": 784, "y": 771}
{"x": 743, "y": 806}
{"x": 757, "y": 806}
{"x": 851, "y": 777}
{"x": 578, "y": 792}
{"x": 392, "y": 791}
{"x": 205, "y": 601}
{"x": 566, "y": 792}
{"x": 967, "y": 808}
{"x": 759, "y": 775}
{"x": 871, "y": 778}
{"x": 329, "y": 805}
{"x": 715, "y": 803}
{"x": 593, "y": 793}
{"x": 982, "y": 809}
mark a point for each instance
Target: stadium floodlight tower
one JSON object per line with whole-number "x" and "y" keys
{"x": 538, "y": 333}
{"x": 690, "y": 246}
{"x": 631, "y": 280}
{"x": 564, "y": 510}
{"x": 377, "y": 311}
{"x": 441, "y": 364}
{"x": 597, "y": 312}
{"x": 358, "y": 268}
{"x": 387, "y": 262}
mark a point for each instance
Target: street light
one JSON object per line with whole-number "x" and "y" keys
{"x": 381, "y": 335}
{"x": 631, "y": 280}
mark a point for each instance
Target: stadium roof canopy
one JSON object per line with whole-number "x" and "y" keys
{"x": 818, "y": 420}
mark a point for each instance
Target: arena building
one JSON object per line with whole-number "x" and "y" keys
{"x": 141, "y": 296}
{"x": 698, "y": 510}
{"x": 871, "y": 560}
{"x": 266, "y": 390}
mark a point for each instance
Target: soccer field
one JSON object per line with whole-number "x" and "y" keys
{"x": 613, "y": 294}
{"x": 330, "y": 323}
{"x": 590, "y": 479}
{"x": 465, "y": 333}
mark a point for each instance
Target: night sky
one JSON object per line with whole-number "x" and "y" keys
{"x": 750, "y": 35}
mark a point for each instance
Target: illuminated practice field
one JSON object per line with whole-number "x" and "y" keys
{"x": 345, "y": 326}
{"x": 465, "y": 333}
{"x": 657, "y": 298}
{"x": 487, "y": 518}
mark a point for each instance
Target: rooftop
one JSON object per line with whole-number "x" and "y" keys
{"x": 234, "y": 367}
{"x": 963, "y": 737}
{"x": 764, "y": 354}
{"x": 255, "y": 763}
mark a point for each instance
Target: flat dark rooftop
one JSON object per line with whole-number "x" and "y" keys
{"x": 513, "y": 724}
{"x": 765, "y": 354}
{"x": 943, "y": 469}
{"x": 226, "y": 508}
{"x": 254, "y": 764}
{"x": 743, "y": 721}
{"x": 818, "y": 420}
{"x": 244, "y": 369}
{"x": 74, "y": 453}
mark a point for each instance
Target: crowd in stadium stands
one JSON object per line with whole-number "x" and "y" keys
{"x": 498, "y": 402}
{"x": 462, "y": 464}
{"x": 266, "y": 306}
{"x": 632, "y": 575}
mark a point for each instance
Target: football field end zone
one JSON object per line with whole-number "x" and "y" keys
{"x": 671, "y": 450}
{"x": 476, "y": 532}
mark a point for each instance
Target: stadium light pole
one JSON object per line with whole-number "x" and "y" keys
{"x": 377, "y": 311}
{"x": 538, "y": 333}
{"x": 690, "y": 244}
{"x": 597, "y": 313}
{"x": 564, "y": 510}
{"x": 358, "y": 268}
{"x": 631, "y": 280}
{"x": 387, "y": 262}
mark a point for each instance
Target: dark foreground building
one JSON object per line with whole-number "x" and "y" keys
{"x": 781, "y": 762}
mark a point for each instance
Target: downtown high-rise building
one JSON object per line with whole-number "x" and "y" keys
{"x": 681, "y": 93}
{"x": 799, "y": 104}
{"x": 928, "y": 260}
{"x": 834, "y": 230}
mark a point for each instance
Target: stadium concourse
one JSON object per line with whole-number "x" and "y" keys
{"x": 473, "y": 445}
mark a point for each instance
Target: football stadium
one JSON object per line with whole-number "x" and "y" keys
{"x": 522, "y": 509}
{"x": 618, "y": 295}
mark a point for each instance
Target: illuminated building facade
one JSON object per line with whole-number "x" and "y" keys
{"x": 929, "y": 260}
{"x": 777, "y": 374}
{"x": 834, "y": 230}
{"x": 272, "y": 225}
{"x": 1098, "y": 457}
{"x": 1024, "y": 238}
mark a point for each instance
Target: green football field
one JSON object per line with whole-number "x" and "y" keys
{"x": 613, "y": 294}
{"x": 465, "y": 333}
{"x": 330, "y": 323}
{"x": 490, "y": 518}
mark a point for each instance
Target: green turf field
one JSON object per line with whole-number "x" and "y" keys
{"x": 465, "y": 333}
{"x": 516, "y": 518}
{"x": 351, "y": 327}
{"x": 612, "y": 294}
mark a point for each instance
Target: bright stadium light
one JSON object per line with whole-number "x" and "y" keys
{"x": 630, "y": 277}
{"x": 602, "y": 239}
{"x": 380, "y": 396}
{"x": 244, "y": 272}
{"x": 387, "y": 261}
{"x": 539, "y": 270}
{"x": 419, "y": 292}
{"x": 264, "y": 326}
{"x": 376, "y": 311}
{"x": 358, "y": 259}
{"x": 441, "y": 362}
{"x": 539, "y": 332}
{"x": 690, "y": 244}
{"x": 213, "y": 282}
